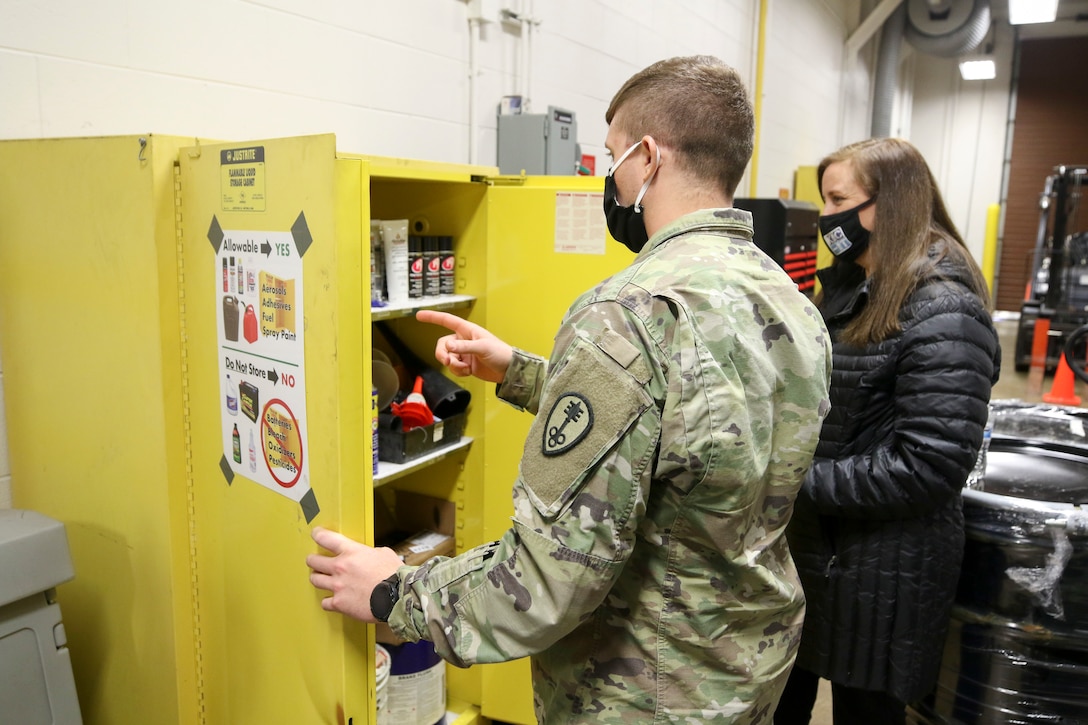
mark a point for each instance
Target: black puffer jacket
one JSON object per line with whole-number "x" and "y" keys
{"x": 877, "y": 532}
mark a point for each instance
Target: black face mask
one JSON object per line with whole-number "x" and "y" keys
{"x": 625, "y": 223}
{"x": 844, "y": 234}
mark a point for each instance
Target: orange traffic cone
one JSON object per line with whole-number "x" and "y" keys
{"x": 414, "y": 412}
{"x": 1061, "y": 392}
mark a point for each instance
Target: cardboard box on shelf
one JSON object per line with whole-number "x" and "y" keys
{"x": 430, "y": 522}
{"x": 418, "y": 528}
{"x": 423, "y": 545}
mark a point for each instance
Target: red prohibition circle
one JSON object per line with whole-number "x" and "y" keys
{"x": 298, "y": 464}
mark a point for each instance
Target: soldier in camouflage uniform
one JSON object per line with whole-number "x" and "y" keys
{"x": 646, "y": 571}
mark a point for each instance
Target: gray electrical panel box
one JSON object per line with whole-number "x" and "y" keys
{"x": 539, "y": 143}
{"x": 36, "y": 683}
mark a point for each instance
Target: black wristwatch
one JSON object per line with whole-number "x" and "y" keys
{"x": 384, "y": 597}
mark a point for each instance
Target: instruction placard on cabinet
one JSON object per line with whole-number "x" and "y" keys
{"x": 261, "y": 359}
{"x": 579, "y": 224}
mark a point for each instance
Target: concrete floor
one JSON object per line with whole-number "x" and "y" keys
{"x": 1012, "y": 385}
{"x": 821, "y": 713}
{"x": 1021, "y": 386}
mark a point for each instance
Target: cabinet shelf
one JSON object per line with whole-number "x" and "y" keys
{"x": 461, "y": 713}
{"x": 392, "y": 471}
{"x": 409, "y": 308}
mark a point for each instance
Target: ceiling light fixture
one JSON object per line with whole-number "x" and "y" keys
{"x": 978, "y": 69}
{"x": 1023, "y": 12}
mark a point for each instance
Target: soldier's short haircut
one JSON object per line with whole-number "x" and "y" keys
{"x": 697, "y": 106}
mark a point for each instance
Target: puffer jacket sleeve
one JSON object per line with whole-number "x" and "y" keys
{"x": 945, "y": 365}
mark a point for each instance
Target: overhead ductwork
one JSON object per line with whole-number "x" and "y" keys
{"x": 944, "y": 28}
{"x": 947, "y": 28}
{"x": 887, "y": 71}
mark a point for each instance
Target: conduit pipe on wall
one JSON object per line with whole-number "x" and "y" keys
{"x": 757, "y": 95}
{"x": 528, "y": 20}
{"x": 473, "y": 70}
{"x": 524, "y": 21}
{"x": 523, "y": 65}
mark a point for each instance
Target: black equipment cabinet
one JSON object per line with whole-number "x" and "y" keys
{"x": 787, "y": 231}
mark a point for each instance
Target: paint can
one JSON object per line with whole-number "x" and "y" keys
{"x": 382, "y": 661}
{"x": 417, "y": 684}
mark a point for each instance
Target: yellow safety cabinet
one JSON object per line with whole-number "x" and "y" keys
{"x": 187, "y": 338}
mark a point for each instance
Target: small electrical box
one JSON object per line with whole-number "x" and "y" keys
{"x": 538, "y": 143}
{"x": 36, "y": 683}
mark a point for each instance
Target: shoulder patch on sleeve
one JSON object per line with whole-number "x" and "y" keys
{"x": 568, "y": 422}
{"x": 586, "y": 407}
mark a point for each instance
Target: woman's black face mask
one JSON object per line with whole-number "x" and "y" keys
{"x": 844, "y": 234}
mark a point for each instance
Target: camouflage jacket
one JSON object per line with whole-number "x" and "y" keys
{"x": 646, "y": 570}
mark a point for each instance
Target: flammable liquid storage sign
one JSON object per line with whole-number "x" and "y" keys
{"x": 261, "y": 357}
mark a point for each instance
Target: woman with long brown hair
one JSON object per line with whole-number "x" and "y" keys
{"x": 877, "y": 530}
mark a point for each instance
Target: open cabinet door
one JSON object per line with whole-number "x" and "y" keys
{"x": 273, "y": 336}
{"x": 88, "y": 332}
{"x": 546, "y": 244}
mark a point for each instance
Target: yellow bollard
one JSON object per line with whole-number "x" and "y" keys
{"x": 989, "y": 245}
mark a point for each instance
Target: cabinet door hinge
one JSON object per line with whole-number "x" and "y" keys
{"x": 505, "y": 180}
{"x": 194, "y": 581}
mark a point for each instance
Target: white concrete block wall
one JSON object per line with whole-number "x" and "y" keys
{"x": 801, "y": 99}
{"x": 583, "y": 51}
{"x": 960, "y": 127}
{"x": 391, "y": 78}
{"x": 387, "y": 78}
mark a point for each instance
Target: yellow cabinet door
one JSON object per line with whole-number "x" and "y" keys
{"x": 290, "y": 212}
{"x": 546, "y": 244}
{"x": 92, "y": 388}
